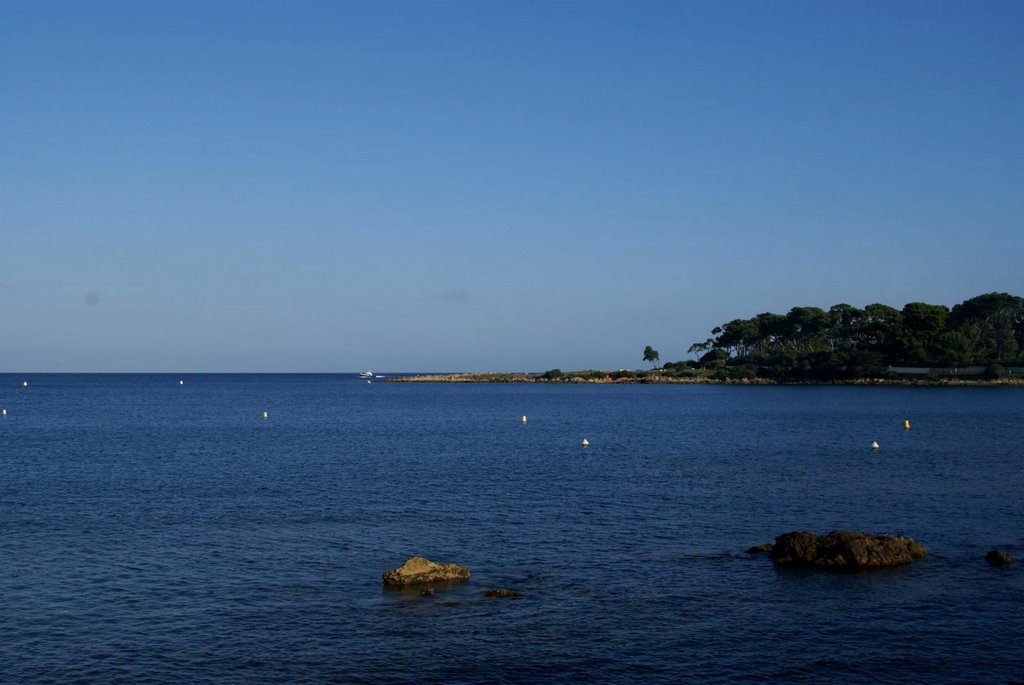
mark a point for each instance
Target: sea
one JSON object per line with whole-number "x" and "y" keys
{"x": 153, "y": 531}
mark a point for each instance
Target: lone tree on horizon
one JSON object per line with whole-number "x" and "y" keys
{"x": 651, "y": 355}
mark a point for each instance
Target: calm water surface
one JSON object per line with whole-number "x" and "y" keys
{"x": 158, "y": 533}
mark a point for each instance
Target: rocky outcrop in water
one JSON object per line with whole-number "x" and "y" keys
{"x": 501, "y": 592}
{"x": 845, "y": 550}
{"x": 417, "y": 570}
{"x": 998, "y": 557}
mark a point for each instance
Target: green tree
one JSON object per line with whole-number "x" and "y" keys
{"x": 738, "y": 336}
{"x": 651, "y": 355}
{"x": 807, "y": 328}
{"x": 715, "y": 358}
{"x": 994, "y": 325}
{"x": 848, "y": 342}
{"x": 922, "y": 325}
{"x": 846, "y": 325}
{"x": 770, "y": 328}
{"x": 881, "y": 330}
{"x": 954, "y": 349}
{"x": 701, "y": 348}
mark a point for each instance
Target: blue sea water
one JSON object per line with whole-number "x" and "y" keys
{"x": 152, "y": 532}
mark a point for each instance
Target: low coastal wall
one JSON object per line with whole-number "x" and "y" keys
{"x": 949, "y": 370}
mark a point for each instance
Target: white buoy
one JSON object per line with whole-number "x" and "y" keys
{"x": 368, "y": 382}
{"x": 24, "y": 384}
{"x": 181, "y": 382}
{"x": 523, "y": 420}
{"x": 266, "y": 415}
{"x": 874, "y": 445}
{"x": 3, "y": 413}
{"x": 585, "y": 443}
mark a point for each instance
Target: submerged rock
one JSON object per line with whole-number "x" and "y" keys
{"x": 758, "y": 549}
{"x": 998, "y": 557}
{"x": 845, "y": 550}
{"x": 497, "y": 592}
{"x": 418, "y": 570}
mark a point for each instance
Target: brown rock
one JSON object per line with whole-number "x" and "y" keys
{"x": 797, "y": 548}
{"x": 418, "y": 570}
{"x": 845, "y": 550}
{"x": 758, "y": 549}
{"x": 496, "y": 592}
{"x": 998, "y": 557}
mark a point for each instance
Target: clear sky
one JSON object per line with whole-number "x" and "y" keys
{"x": 333, "y": 186}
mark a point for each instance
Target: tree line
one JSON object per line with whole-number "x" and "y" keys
{"x": 848, "y": 342}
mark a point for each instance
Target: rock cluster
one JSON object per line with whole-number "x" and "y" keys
{"x": 845, "y": 550}
{"x": 417, "y": 570}
{"x": 500, "y": 592}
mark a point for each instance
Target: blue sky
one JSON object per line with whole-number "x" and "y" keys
{"x": 331, "y": 186}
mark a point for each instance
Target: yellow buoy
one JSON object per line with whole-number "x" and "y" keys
{"x": 266, "y": 415}
{"x": 523, "y": 420}
{"x": 585, "y": 443}
{"x": 874, "y": 445}
{"x": 906, "y": 425}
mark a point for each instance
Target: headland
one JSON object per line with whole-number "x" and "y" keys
{"x": 656, "y": 377}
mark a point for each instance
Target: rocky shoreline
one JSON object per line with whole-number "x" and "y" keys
{"x": 608, "y": 377}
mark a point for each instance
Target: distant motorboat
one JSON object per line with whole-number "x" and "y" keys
{"x": 366, "y": 374}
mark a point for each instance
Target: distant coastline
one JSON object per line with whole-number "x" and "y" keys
{"x": 655, "y": 378}
{"x": 978, "y": 342}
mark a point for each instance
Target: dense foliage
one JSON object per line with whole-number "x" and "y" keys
{"x": 848, "y": 342}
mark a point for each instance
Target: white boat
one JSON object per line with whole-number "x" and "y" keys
{"x": 366, "y": 374}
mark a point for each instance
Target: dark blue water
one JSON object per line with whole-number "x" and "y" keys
{"x": 157, "y": 533}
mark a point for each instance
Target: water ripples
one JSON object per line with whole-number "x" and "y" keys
{"x": 157, "y": 534}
